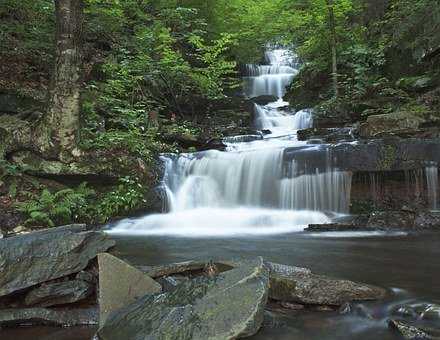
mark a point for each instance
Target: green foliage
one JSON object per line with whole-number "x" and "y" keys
{"x": 26, "y": 31}
{"x": 64, "y": 206}
{"x": 126, "y": 197}
{"x": 82, "y": 204}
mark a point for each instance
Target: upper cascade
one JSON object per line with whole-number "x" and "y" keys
{"x": 273, "y": 77}
{"x": 252, "y": 188}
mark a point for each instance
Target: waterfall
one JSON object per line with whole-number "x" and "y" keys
{"x": 432, "y": 185}
{"x": 269, "y": 117}
{"x": 328, "y": 191}
{"x": 273, "y": 78}
{"x": 252, "y": 187}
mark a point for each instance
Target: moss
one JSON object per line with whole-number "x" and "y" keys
{"x": 387, "y": 158}
{"x": 360, "y": 207}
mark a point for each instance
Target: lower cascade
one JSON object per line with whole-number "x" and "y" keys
{"x": 251, "y": 188}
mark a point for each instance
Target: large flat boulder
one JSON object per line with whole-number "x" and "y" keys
{"x": 121, "y": 284}
{"x": 31, "y": 259}
{"x": 391, "y": 123}
{"x": 301, "y": 286}
{"x": 45, "y": 316}
{"x": 391, "y": 154}
{"x": 227, "y": 306}
{"x": 59, "y": 293}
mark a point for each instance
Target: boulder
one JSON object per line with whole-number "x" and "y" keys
{"x": 51, "y": 317}
{"x": 189, "y": 268}
{"x": 391, "y": 220}
{"x": 301, "y": 286}
{"x": 264, "y": 100}
{"x": 59, "y": 293}
{"x": 329, "y": 135}
{"x": 227, "y": 306}
{"x": 392, "y": 154}
{"x": 412, "y": 332}
{"x": 416, "y": 84}
{"x": 131, "y": 285}
{"x": 330, "y": 227}
{"x": 396, "y": 123}
{"x": 31, "y": 259}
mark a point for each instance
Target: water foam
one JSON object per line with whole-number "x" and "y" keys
{"x": 216, "y": 222}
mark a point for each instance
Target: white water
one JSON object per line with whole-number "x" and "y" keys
{"x": 273, "y": 78}
{"x": 432, "y": 184}
{"x": 250, "y": 188}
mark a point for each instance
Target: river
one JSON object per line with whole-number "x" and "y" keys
{"x": 248, "y": 201}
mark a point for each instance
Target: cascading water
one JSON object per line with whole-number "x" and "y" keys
{"x": 251, "y": 188}
{"x": 432, "y": 185}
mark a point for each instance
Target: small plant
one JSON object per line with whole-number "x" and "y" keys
{"x": 126, "y": 197}
{"x": 64, "y": 206}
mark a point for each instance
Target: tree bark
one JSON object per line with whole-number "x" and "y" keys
{"x": 333, "y": 43}
{"x": 57, "y": 132}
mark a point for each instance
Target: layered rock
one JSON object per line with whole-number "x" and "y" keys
{"x": 50, "y": 268}
{"x": 61, "y": 293}
{"x": 227, "y": 306}
{"x": 302, "y": 286}
{"x": 51, "y": 317}
{"x": 47, "y": 255}
{"x": 131, "y": 285}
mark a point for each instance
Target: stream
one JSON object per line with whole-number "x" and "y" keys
{"x": 249, "y": 201}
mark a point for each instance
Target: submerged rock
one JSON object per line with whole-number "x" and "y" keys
{"x": 304, "y": 287}
{"x": 44, "y": 316}
{"x": 121, "y": 284}
{"x": 419, "y": 311}
{"x": 59, "y": 293}
{"x": 411, "y": 332}
{"x": 47, "y": 255}
{"x": 264, "y": 99}
{"x": 227, "y": 306}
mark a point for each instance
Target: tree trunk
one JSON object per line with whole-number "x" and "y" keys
{"x": 333, "y": 42}
{"x": 58, "y": 130}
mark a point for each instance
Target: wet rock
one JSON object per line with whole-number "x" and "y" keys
{"x": 330, "y": 227}
{"x": 324, "y": 308}
{"x": 169, "y": 283}
{"x": 243, "y": 138}
{"x": 272, "y": 321}
{"x": 121, "y": 284}
{"x": 47, "y": 255}
{"x": 59, "y": 293}
{"x": 431, "y": 312}
{"x": 391, "y": 154}
{"x": 86, "y": 276}
{"x": 292, "y": 306}
{"x": 411, "y": 332}
{"x": 404, "y": 220}
{"x": 284, "y": 270}
{"x": 228, "y": 306}
{"x": 328, "y": 135}
{"x": 427, "y": 220}
{"x": 416, "y": 84}
{"x": 45, "y": 316}
{"x": 346, "y": 308}
{"x": 189, "y": 268}
{"x": 391, "y": 220}
{"x": 198, "y": 143}
{"x": 392, "y": 123}
{"x": 418, "y": 311}
{"x": 264, "y": 100}
{"x": 307, "y": 288}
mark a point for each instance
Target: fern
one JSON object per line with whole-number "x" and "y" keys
{"x": 61, "y": 207}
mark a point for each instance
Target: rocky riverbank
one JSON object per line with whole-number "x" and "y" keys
{"x": 64, "y": 277}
